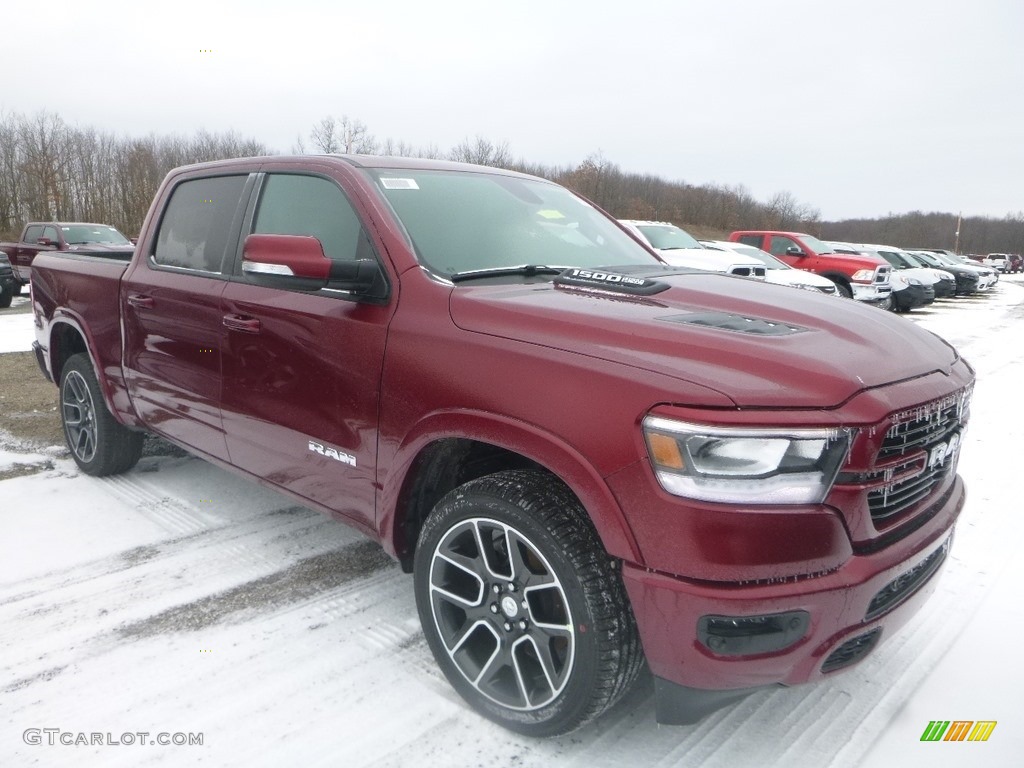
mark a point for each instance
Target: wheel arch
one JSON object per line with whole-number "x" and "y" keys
{"x": 69, "y": 336}
{"x": 451, "y": 449}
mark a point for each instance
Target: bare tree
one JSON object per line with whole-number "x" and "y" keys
{"x": 481, "y": 151}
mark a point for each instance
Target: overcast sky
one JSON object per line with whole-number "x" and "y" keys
{"x": 857, "y": 108}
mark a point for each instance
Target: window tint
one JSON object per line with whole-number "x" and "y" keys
{"x": 309, "y": 205}
{"x": 33, "y": 233}
{"x": 780, "y": 244}
{"x": 197, "y": 224}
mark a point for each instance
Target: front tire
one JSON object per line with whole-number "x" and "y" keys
{"x": 524, "y": 611}
{"x": 98, "y": 443}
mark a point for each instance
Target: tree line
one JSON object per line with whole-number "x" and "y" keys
{"x": 52, "y": 171}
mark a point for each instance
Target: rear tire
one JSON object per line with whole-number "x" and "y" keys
{"x": 6, "y": 297}
{"x": 98, "y": 443}
{"x": 525, "y": 612}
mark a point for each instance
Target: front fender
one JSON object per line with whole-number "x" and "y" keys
{"x": 528, "y": 440}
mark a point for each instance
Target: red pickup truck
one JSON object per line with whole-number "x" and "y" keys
{"x": 78, "y": 237}
{"x": 588, "y": 459}
{"x": 857, "y": 276}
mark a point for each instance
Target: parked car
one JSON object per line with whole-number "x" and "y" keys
{"x": 988, "y": 273}
{"x": 679, "y": 248}
{"x": 777, "y": 272}
{"x": 1016, "y": 263}
{"x": 998, "y": 261}
{"x": 8, "y": 283}
{"x": 909, "y": 292}
{"x": 864, "y": 278}
{"x": 592, "y": 463}
{"x": 967, "y": 280}
{"x": 72, "y": 236}
{"x": 942, "y": 283}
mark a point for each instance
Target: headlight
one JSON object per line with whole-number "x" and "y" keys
{"x": 863, "y": 276}
{"x": 745, "y": 465}
{"x": 914, "y": 281}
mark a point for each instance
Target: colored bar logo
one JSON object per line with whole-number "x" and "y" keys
{"x": 958, "y": 730}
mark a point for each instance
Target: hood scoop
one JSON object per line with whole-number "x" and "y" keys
{"x": 737, "y": 323}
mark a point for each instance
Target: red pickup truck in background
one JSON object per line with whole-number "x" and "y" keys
{"x": 865, "y": 278}
{"x": 588, "y": 459}
{"x": 79, "y": 237}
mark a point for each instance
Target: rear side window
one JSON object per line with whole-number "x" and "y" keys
{"x": 754, "y": 240}
{"x": 33, "y": 233}
{"x": 309, "y": 205}
{"x": 197, "y": 223}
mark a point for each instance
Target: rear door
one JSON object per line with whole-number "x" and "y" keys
{"x": 302, "y": 369}
{"x": 171, "y": 308}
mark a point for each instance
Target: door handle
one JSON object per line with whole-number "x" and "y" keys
{"x": 243, "y": 324}
{"x": 142, "y": 302}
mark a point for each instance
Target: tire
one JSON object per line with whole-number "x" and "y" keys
{"x": 98, "y": 443}
{"x": 844, "y": 289}
{"x": 524, "y": 611}
{"x": 6, "y": 297}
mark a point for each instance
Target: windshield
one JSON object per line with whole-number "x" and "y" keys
{"x": 87, "y": 234}
{"x": 817, "y": 245}
{"x": 668, "y": 237}
{"x": 769, "y": 261}
{"x": 465, "y": 221}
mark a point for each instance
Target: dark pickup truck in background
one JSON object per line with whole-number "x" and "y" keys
{"x": 588, "y": 459}
{"x": 78, "y": 237}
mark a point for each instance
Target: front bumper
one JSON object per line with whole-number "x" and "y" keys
{"x": 851, "y": 607}
{"x": 872, "y": 292}
{"x": 913, "y": 296}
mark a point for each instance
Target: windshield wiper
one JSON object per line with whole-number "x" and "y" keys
{"x": 526, "y": 270}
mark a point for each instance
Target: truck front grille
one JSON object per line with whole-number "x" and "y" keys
{"x": 927, "y": 438}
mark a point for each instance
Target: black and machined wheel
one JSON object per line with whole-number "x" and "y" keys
{"x": 98, "y": 443}
{"x": 523, "y": 609}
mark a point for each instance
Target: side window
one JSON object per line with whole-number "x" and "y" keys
{"x": 197, "y": 223}
{"x": 51, "y": 232}
{"x": 754, "y": 240}
{"x": 309, "y": 205}
{"x": 780, "y": 244}
{"x": 32, "y": 234}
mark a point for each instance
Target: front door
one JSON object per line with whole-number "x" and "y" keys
{"x": 302, "y": 369}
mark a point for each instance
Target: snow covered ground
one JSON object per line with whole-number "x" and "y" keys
{"x": 179, "y": 599}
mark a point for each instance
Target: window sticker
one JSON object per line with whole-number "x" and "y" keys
{"x": 551, "y": 214}
{"x": 399, "y": 183}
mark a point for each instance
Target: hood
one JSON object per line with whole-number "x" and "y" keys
{"x": 758, "y": 344}
{"x": 99, "y": 248}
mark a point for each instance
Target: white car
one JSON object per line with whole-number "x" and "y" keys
{"x": 680, "y": 249}
{"x": 998, "y": 261}
{"x": 776, "y": 271}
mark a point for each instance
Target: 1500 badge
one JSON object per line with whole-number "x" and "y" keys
{"x": 332, "y": 453}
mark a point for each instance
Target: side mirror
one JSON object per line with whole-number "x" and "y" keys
{"x": 794, "y": 251}
{"x": 298, "y": 262}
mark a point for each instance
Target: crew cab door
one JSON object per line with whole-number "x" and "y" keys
{"x": 172, "y": 317}
{"x": 302, "y": 368}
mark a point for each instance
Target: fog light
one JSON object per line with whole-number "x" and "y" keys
{"x": 750, "y": 635}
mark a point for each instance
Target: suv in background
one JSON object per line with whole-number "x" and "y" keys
{"x": 680, "y": 249}
{"x": 864, "y": 278}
